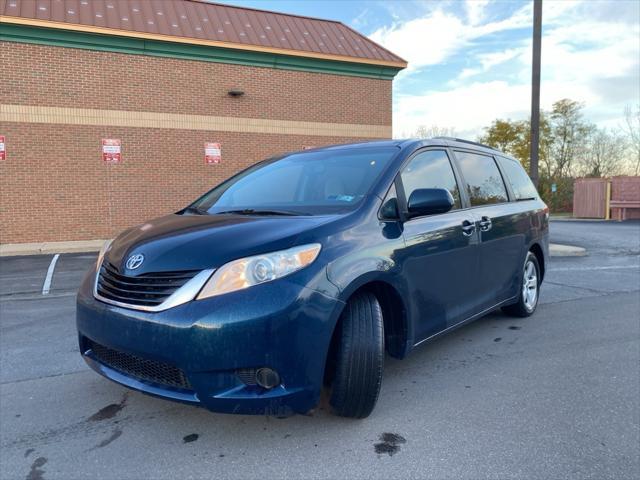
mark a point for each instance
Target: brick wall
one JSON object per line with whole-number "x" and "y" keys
{"x": 54, "y": 185}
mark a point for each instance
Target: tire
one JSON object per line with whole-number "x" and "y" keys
{"x": 359, "y": 358}
{"x": 526, "y": 305}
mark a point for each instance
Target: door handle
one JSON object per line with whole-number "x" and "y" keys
{"x": 468, "y": 228}
{"x": 485, "y": 224}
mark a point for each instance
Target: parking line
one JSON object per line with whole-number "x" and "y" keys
{"x": 584, "y": 269}
{"x": 47, "y": 280}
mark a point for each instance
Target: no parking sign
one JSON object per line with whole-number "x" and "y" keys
{"x": 111, "y": 152}
{"x": 212, "y": 153}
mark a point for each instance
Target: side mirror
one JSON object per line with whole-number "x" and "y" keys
{"x": 390, "y": 210}
{"x": 429, "y": 201}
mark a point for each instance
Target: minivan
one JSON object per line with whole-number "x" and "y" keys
{"x": 301, "y": 272}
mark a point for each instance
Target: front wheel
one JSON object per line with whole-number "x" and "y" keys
{"x": 529, "y": 289}
{"x": 359, "y": 358}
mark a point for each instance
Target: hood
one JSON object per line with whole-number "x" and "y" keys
{"x": 196, "y": 242}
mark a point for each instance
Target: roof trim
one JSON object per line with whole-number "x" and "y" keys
{"x": 181, "y": 51}
{"x": 195, "y": 41}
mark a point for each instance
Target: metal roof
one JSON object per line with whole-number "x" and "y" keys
{"x": 201, "y": 22}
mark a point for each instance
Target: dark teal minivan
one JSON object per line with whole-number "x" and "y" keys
{"x": 300, "y": 272}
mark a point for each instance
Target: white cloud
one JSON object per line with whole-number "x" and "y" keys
{"x": 489, "y": 60}
{"x": 590, "y": 53}
{"x": 431, "y": 39}
{"x": 469, "y": 108}
{"x": 475, "y": 10}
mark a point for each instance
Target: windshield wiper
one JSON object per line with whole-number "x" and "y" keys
{"x": 196, "y": 210}
{"x": 251, "y": 211}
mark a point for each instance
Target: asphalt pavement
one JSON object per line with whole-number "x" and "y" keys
{"x": 556, "y": 395}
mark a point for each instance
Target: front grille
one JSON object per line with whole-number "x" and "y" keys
{"x": 148, "y": 289}
{"x": 140, "y": 368}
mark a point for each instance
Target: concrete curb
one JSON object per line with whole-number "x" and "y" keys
{"x": 15, "y": 249}
{"x": 573, "y": 219}
{"x": 557, "y": 250}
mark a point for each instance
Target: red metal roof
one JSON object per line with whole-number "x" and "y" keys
{"x": 200, "y": 21}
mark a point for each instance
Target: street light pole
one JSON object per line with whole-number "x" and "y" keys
{"x": 535, "y": 91}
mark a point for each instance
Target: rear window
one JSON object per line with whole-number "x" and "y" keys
{"x": 484, "y": 182}
{"x": 520, "y": 182}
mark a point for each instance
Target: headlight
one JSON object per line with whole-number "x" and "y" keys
{"x": 103, "y": 251}
{"x": 250, "y": 271}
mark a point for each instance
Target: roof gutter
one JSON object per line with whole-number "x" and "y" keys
{"x": 196, "y": 41}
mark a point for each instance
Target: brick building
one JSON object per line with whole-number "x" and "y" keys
{"x": 164, "y": 77}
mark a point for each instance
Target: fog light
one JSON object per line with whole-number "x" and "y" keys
{"x": 267, "y": 378}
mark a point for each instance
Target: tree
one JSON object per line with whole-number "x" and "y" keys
{"x": 568, "y": 137}
{"x": 424, "y": 131}
{"x": 513, "y": 138}
{"x": 633, "y": 133}
{"x": 506, "y": 135}
{"x": 605, "y": 153}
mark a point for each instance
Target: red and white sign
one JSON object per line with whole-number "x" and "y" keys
{"x": 111, "y": 152}
{"x": 212, "y": 153}
{"x": 3, "y": 152}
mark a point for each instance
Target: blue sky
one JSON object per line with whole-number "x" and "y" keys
{"x": 469, "y": 60}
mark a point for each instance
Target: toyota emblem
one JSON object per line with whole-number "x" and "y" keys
{"x": 134, "y": 261}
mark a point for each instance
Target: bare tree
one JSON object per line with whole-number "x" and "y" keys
{"x": 604, "y": 155}
{"x": 424, "y": 131}
{"x": 633, "y": 133}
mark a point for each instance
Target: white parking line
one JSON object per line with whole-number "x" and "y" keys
{"x": 607, "y": 267}
{"x": 47, "y": 280}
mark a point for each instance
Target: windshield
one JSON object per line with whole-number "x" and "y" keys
{"x": 305, "y": 183}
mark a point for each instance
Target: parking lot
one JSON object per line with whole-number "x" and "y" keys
{"x": 556, "y": 395}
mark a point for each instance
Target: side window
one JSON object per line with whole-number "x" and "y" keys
{"x": 430, "y": 169}
{"x": 520, "y": 182}
{"x": 484, "y": 182}
{"x": 390, "y": 210}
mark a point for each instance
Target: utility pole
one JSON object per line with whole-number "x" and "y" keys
{"x": 535, "y": 91}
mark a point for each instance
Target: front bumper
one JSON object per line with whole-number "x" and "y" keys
{"x": 280, "y": 325}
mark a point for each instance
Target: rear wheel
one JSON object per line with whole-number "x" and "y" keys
{"x": 359, "y": 358}
{"x": 529, "y": 289}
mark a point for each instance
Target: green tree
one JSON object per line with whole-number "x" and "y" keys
{"x": 514, "y": 138}
{"x": 569, "y": 135}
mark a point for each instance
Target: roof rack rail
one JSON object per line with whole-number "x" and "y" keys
{"x": 462, "y": 140}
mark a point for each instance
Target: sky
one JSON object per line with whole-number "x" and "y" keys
{"x": 470, "y": 60}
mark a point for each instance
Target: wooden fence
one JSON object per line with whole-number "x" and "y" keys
{"x": 592, "y": 197}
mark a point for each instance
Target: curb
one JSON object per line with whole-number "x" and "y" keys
{"x": 557, "y": 250}
{"x": 15, "y": 249}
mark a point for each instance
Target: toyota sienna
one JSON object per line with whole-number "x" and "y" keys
{"x": 300, "y": 272}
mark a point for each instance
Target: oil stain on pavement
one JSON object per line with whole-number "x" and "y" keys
{"x": 114, "y": 436}
{"x": 389, "y": 444}
{"x": 109, "y": 411}
{"x": 190, "y": 438}
{"x": 36, "y": 472}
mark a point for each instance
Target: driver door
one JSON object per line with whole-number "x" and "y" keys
{"x": 442, "y": 260}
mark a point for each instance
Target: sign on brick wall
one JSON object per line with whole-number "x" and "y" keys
{"x": 212, "y": 153}
{"x": 111, "y": 150}
{"x": 3, "y": 152}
